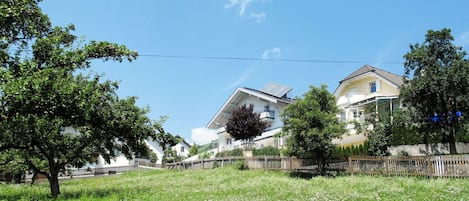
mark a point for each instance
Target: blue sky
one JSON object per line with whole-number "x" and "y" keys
{"x": 190, "y": 90}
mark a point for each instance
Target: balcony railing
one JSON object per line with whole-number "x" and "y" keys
{"x": 267, "y": 115}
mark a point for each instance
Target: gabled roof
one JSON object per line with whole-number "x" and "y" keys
{"x": 238, "y": 95}
{"x": 391, "y": 77}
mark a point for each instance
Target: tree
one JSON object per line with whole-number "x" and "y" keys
{"x": 164, "y": 139}
{"x": 245, "y": 124}
{"x": 312, "y": 123}
{"x": 194, "y": 150}
{"x": 41, "y": 93}
{"x": 436, "y": 86}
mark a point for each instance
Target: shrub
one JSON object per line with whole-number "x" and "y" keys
{"x": 266, "y": 151}
{"x": 215, "y": 164}
{"x": 240, "y": 165}
{"x": 234, "y": 152}
{"x": 205, "y": 155}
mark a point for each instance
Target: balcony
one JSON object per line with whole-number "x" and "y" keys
{"x": 267, "y": 116}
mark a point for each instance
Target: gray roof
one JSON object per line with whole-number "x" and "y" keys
{"x": 284, "y": 98}
{"x": 391, "y": 77}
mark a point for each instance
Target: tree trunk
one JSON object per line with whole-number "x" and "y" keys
{"x": 54, "y": 182}
{"x": 452, "y": 142}
{"x": 322, "y": 166}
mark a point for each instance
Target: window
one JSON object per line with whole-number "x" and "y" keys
{"x": 228, "y": 141}
{"x": 357, "y": 114}
{"x": 182, "y": 149}
{"x": 266, "y": 108}
{"x": 342, "y": 117}
{"x": 373, "y": 87}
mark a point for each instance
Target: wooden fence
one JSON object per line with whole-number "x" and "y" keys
{"x": 431, "y": 166}
{"x": 256, "y": 162}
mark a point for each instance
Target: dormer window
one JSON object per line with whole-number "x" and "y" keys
{"x": 373, "y": 87}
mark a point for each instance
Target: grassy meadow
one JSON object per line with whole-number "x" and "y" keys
{"x": 232, "y": 184}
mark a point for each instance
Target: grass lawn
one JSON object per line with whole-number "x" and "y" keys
{"x": 231, "y": 184}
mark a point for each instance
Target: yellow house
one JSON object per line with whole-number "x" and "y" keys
{"x": 367, "y": 91}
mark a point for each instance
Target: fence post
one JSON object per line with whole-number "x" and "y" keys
{"x": 350, "y": 165}
{"x": 429, "y": 166}
{"x": 386, "y": 164}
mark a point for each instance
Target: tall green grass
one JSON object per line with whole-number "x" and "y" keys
{"x": 231, "y": 184}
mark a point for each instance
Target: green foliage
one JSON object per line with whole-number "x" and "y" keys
{"x": 207, "y": 147}
{"x": 43, "y": 92}
{"x": 379, "y": 140}
{"x": 215, "y": 164}
{"x": 12, "y": 166}
{"x": 266, "y": 151}
{"x": 244, "y": 123}
{"x": 436, "y": 83}
{"x": 194, "y": 150}
{"x": 233, "y": 152}
{"x": 342, "y": 153}
{"x": 164, "y": 139}
{"x": 170, "y": 156}
{"x": 153, "y": 157}
{"x": 240, "y": 165}
{"x": 204, "y": 155}
{"x": 312, "y": 124}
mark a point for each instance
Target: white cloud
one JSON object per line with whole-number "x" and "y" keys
{"x": 258, "y": 16}
{"x": 242, "y": 5}
{"x": 271, "y": 53}
{"x": 203, "y": 135}
{"x": 246, "y": 74}
{"x": 463, "y": 39}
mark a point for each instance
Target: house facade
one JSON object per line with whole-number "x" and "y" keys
{"x": 269, "y": 102}
{"x": 367, "y": 93}
{"x": 182, "y": 149}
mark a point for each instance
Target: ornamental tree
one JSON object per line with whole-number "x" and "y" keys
{"x": 244, "y": 124}
{"x": 311, "y": 123}
{"x": 42, "y": 92}
{"x": 436, "y": 86}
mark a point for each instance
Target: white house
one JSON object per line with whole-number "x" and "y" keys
{"x": 368, "y": 87}
{"x": 269, "y": 102}
{"x": 182, "y": 148}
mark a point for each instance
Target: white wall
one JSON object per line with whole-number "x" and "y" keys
{"x": 177, "y": 148}
{"x": 259, "y": 105}
{"x": 119, "y": 161}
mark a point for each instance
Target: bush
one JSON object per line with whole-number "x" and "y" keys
{"x": 240, "y": 165}
{"x": 342, "y": 153}
{"x": 234, "y": 152}
{"x": 205, "y": 155}
{"x": 266, "y": 151}
{"x": 215, "y": 164}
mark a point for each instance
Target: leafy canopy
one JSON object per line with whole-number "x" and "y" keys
{"x": 43, "y": 93}
{"x": 312, "y": 123}
{"x": 437, "y": 86}
{"x": 244, "y": 123}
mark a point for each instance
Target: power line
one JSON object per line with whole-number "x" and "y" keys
{"x": 262, "y": 59}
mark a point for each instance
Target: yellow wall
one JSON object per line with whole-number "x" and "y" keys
{"x": 361, "y": 86}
